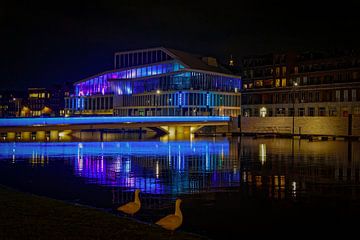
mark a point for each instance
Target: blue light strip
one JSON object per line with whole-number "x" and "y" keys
{"x": 131, "y": 148}
{"x": 12, "y": 122}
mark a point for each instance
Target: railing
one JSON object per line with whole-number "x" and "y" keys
{"x": 12, "y": 122}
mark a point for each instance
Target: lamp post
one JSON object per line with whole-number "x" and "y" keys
{"x": 293, "y": 113}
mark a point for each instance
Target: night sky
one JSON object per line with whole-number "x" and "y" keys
{"x": 59, "y": 42}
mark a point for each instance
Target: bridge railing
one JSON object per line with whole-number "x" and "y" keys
{"x": 10, "y": 122}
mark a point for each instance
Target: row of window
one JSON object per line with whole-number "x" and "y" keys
{"x": 265, "y": 72}
{"x": 343, "y": 95}
{"x": 330, "y": 78}
{"x": 93, "y": 103}
{"x": 123, "y": 60}
{"x": 181, "y": 99}
{"x": 101, "y": 84}
{"x": 301, "y": 111}
{"x": 174, "y": 111}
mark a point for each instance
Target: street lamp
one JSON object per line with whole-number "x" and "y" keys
{"x": 293, "y": 113}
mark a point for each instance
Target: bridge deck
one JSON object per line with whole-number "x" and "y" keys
{"x": 13, "y": 124}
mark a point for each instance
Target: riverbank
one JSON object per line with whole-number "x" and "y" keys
{"x": 26, "y": 216}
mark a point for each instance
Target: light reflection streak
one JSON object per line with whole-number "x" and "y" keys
{"x": 129, "y": 164}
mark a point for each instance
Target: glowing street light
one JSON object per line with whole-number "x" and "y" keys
{"x": 293, "y": 114}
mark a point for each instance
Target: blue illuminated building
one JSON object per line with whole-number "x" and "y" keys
{"x": 158, "y": 82}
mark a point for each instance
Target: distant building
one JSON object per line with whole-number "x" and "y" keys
{"x": 158, "y": 82}
{"x": 11, "y": 103}
{"x": 303, "y": 84}
{"x": 45, "y": 101}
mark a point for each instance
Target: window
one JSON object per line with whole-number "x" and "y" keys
{"x": 277, "y": 83}
{"x": 296, "y": 70}
{"x": 270, "y": 112}
{"x": 290, "y": 112}
{"x": 283, "y": 82}
{"x": 247, "y": 112}
{"x": 356, "y": 111}
{"x": 346, "y": 96}
{"x": 332, "y": 112}
{"x": 277, "y": 71}
{"x": 283, "y": 70}
{"x": 259, "y": 83}
{"x": 337, "y": 95}
{"x": 311, "y": 111}
{"x": 263, "y": 112}
{"x": 280, "y": 111}
{"x": 304, "y": 80}
{"x": 355, "y": 75}
{"x": 353, "y": 95}
{"x": 301, "y": 112}
{"x": 322, "y": 111}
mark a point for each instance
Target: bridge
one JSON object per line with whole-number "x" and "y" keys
{"x": 24, "y": 127}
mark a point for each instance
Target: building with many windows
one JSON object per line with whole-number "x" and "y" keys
{"x": 11, "y": 103}
{"x": 158, "y": 82}
{"x": 45, "y": 101}
{"x": 301, "y": 84}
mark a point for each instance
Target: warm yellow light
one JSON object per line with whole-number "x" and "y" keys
{"x": 262, "y": 153}
{"x": 158, "y": 91}
{"x": 263, "y": 112}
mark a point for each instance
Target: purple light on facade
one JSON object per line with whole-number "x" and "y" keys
{"x": 101, "y": 85}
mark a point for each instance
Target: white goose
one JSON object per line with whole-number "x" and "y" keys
{"x": 172, "y": 221}
{"x": 131, "y": 207}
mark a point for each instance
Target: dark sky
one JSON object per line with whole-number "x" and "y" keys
{"x": 67, "y": 41}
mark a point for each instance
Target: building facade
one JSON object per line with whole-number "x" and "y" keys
{"x": 301, "y": 84}
{"x": 45, "y": 101}
{"x": 158, "y": 82}
{"x": 11, "y": 103}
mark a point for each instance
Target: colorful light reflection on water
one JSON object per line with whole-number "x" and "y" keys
{"x": 152, "y": 166}
{"x": 228, "y": 186}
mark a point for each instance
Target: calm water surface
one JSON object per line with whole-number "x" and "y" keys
{"x": 230, "y": 187}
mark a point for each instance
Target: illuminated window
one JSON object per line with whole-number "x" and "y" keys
{"x": 33, "y": 95}
{"x": 263, "y": 112}
{"x": 259, "y": 83}
{"x": 283, "y": 70}
{"x": 277, "y": 83}
{"x": 283, "y": 82}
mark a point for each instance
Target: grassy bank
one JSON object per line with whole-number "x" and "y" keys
{"x": 25, "y": 216}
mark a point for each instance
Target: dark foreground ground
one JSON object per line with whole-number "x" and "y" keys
{"x": 26, "y": 216}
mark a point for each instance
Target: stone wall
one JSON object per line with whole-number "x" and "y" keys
{"x": 337, "y": 126}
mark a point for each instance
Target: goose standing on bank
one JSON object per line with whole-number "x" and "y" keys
{"x": 172, "y": 221}
{"x": 131, "y": 207}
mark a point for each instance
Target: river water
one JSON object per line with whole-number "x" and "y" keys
{"x": 229, "y": 186}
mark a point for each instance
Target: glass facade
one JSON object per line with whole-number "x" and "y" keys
{"x": 169, "y": 87}
{"x": 120, "y": 82}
